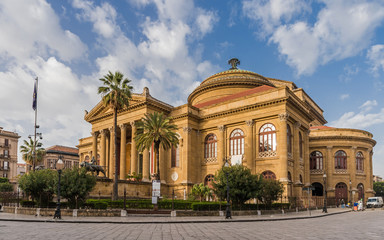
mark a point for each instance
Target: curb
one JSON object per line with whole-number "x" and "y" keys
{"x": 173, "y": 222}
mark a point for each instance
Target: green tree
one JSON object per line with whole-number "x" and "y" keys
{"x": 40, "y": 185}
{"x": 76, "y": 185}
{"x": 243, "y": 185}
{"x": 156, "y": 129}
{"x": 6, "y": 187}
{"x": 270, "y": 190}
{"x": 27, "y": 150}
{"x": 3, "y": 180}
{"x": 116, "y": 94}
{"x": 378, "y": 187}
{"x": 200, "y": 191}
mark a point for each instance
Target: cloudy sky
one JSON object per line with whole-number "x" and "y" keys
{"x": 334, "y": 49}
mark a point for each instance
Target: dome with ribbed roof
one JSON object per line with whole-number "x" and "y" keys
{"x": 226, "y": 83}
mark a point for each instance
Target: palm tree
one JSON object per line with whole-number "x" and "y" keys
{"x": 116, "y": 93}
{"x": 156, "y": 129}
{"x": 27, "y": 151}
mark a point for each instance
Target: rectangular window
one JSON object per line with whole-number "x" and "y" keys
{"x": 6, "y": 142}
{"x": 5, "y": 165}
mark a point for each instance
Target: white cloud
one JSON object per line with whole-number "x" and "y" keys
{"x": 331, "y": 36}
{"x": 349, "y": 71}
{"x": 362, "y": 119}
{"x": 344, "y": 96}
{"x": 375, "y": 56}
{"x": 272, "y": 13}
{"x": 162, "y": 59}
{"x": 368, "y": 105}
{"x": 31, "y": 27}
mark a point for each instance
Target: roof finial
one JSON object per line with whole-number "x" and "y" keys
{"x": 234, "y": 62}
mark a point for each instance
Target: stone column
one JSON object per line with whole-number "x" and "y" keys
{"x": 296, "y": 152}
{"x": 370, "y": 170}
{"x": 221, "y": 146}
{"x": 103, "y": 150}
{"x": 145, "y": 165}
{"x": 94, "y": 144}
{"x": 123, "y": 158}
{"x": 249, "y": 146}
{"x": 111, "y": 167}
{"x": 282, "y": 147}
{"x": 186, "y": 165}
{"x": 330, "y": 165}
{"x": 306, "y": 152}
{"x": 134, "y": 150}
{"x": 352, "y": 168}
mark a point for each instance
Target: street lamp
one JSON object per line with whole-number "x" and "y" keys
{"x": 350, "y": 191}
{"x": 59, "y": 166}
{"x": 325, "y": 193}
{"x": 228, "y": 209}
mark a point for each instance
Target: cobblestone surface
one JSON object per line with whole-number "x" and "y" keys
{"x": 353, "y": 225}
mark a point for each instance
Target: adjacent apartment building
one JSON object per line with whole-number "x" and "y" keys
{"x": 8, "y": 154}
{"x": 69, "y": 155}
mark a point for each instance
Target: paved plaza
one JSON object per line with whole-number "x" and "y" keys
{"x": 350, "y": 225}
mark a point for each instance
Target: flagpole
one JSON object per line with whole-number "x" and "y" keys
{"x": 35, "y": 108}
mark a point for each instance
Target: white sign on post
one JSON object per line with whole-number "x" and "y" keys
{"x": 156, "y": 188}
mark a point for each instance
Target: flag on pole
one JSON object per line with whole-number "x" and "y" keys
{"x": 34, "y": 103}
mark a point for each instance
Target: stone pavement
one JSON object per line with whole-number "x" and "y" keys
{"x": 365, "y": 225}
{"x": 150, "y": 219}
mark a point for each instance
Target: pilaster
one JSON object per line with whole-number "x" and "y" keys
{"x": 123, "y": 153}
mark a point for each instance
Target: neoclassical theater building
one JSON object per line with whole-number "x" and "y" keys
{"x": 269, "y": 125}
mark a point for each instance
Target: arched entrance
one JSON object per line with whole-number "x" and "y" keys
{"x": 318, "y": 189}
{"x": 360, "y": 191}
{"x": 341, "y": 192}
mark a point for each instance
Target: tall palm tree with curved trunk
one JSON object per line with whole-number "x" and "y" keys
{"x": 27, "y": 150}
{"x": 116, "y": 94}
{"x": 156, "y": 129}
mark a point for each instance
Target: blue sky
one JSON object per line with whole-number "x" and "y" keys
{"x": 334, "y": 49}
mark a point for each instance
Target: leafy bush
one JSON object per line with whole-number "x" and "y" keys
{"x": 6, "y": 187}
{"x": 207, "y": 206}
{"x": 3, "y": 180}
{"x": 27, "y": 203}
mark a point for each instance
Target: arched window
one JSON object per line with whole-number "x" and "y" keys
{"x": 316, "y": 160}
{"x": 301, "y": 145}
{"x": 175, "y": 156}
{"x": 267, "y": 138}
{"x": 289, "y": 139}
{"x": 209, "y": 179}
{"x": 318, "y": 189}
{"x": 359, "y": 161}
{"x": 210, "y": 146}
{"x": 289, "y": 176}
{"x": 269, "y": 175}
{"x": 360, "y": 190}
{"x": 340, "y": 160}
{"x": 237, "y": 142}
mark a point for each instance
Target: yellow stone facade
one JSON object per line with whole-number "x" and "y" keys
{"x": 269, "y": 125}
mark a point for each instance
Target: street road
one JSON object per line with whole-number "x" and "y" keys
{"x": 354, "y": 225}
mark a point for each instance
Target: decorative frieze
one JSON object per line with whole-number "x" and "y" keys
{"x": 341, "y": 171}
{"x": 283, "y": 116}
{"x": 249, "y": 123}
{"x": 187, "y": 129}
{"x": 210, "y": 160}
{"x": 268, "y": 154}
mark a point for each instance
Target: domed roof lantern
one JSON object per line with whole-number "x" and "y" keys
{"x": 233, "y": 62}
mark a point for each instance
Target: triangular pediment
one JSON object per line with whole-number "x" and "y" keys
{"x": 100, "y": 111}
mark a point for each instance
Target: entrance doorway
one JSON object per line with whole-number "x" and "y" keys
{"x": 341, "y": 192}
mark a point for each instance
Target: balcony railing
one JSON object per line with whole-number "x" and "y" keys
{"x": 4, "y": 156}
{"x": 3, "y": 145}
